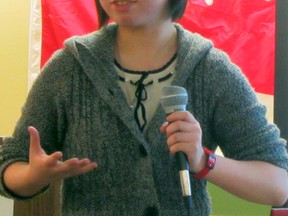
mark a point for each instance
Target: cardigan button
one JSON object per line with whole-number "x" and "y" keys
{"x": 151, "y": 211}
{"x": 143, "y": 151}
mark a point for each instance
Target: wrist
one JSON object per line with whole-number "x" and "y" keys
{"x": 19, "y": 181}
{"x": 209, "y": 163}
{"x": 195, "y": 166}
{"x": 35, "y": 181}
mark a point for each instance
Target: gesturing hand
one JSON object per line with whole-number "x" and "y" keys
{"x": 44, "y": 169}
{"x": 26, "y": 179}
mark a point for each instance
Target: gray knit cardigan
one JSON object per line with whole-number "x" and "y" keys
{"x": 79, "y": 109}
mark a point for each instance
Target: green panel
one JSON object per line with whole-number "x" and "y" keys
{"x": 225, "y": 204}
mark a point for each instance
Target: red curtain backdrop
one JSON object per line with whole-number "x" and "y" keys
{"x": 245, "y": 29}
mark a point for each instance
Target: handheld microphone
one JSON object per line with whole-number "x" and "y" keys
{"x": 175, "y": 98}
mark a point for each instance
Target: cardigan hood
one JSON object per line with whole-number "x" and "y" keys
{"x": 97, "y": 48}
{"x": 94, "y": 52}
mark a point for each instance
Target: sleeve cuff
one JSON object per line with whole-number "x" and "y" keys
{"x": 4, "y": 191}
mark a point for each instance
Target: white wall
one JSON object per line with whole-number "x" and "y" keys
{"x": 14, "y": 22}
{"x": 6, "y": 207}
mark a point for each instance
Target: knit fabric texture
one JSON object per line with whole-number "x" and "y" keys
{"x": 79, "y": 109}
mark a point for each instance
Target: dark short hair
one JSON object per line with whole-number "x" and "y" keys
{"x": 177, "y": 8}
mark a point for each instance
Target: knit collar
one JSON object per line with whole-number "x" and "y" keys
{"x": 95, "y": 51}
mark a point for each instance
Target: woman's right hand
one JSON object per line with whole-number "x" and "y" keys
{"x": 26, "y": 179}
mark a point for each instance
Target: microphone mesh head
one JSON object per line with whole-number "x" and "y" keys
{"x": 173, "y": 90}
{"x": 174, "y": 98}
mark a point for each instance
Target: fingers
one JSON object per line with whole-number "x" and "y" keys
{"x": 180, "y": 122}
{"x": 77, "y": 163}
{"x": 35, "y": 147}
{"x": 74, "y": 166}
{"x": 183, "y": 132}
{"x": 54, "y": 158}
{"x": 181, "y": 116}
{"x": 185, "y": 142}
{"x": 182, "y": 126}
{"x": 163, "y": 127}
{"x": 88, "y": 166}
{"x": 184, "y": 116}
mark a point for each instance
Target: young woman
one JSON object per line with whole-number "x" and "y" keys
{"x": 98, "y": 98}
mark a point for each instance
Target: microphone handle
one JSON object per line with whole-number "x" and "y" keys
{"x": 182, "y": 161}
{"x": 183, "y": 168}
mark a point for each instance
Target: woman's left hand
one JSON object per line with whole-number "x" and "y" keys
{"x": 184, "y": 134}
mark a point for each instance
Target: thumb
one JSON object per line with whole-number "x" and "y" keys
{"x": 35, "y": 147}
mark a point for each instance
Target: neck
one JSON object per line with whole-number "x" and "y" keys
{"x": 145, "y": 37}
{"x": 145, "y": 48}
